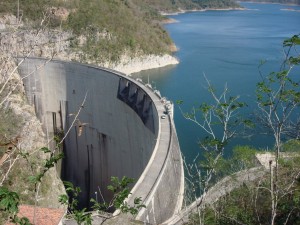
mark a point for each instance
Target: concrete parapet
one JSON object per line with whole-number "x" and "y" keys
{"x": 123, "y": 129}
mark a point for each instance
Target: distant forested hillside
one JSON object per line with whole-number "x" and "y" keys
{"x": 173, "y": 5}
{"x": 108, "y": 28}
{"x": 296, "y": 2}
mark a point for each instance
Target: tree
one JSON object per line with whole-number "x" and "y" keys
{"x": 221, "y": 121}
{"x": 274, "y": 199}
{"x": 278, "y": 98}
{"x": 24, "y": 163}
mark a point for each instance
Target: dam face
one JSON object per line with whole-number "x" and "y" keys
{"x": 122, "y": 129}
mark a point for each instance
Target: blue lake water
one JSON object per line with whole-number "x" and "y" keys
{"x": 226, "y": 46}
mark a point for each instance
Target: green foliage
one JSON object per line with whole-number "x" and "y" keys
{"x": 9, "y": 203}
{"x": 279, "y": 87}
{"x": 274, "y": 199}
{"x": 213, "y": 143}
{"x": 222, "y": 113}
{"x": 121, "y": 192}
{"x": 175, "y": 5}
{"x": 9, "y": 200}
{"x": 111, "y": 28}
{"x": 243, "y": 157}
{"x": 245, "y": 154}
{"x": 292, "y": 145}
{"x": 114, "y": 27}
{"x": 122, "y": 26}
{"x": 45, "y": 150}
{"x": 49, "y": 163}
{"x": 80, "y": 216}
{"x": 278, "y": 97}
{"x": 119, "y": 184}
{"x": 21, "y": 221}
{"x": 31, "y": 9}
{"x": 250, "y": 204}
{"x": 222, "y": 121}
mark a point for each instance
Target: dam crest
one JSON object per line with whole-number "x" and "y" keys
{"x": 125, "y": 128}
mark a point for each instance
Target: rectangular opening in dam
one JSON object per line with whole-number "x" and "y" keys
{"x": 137, "y": 101}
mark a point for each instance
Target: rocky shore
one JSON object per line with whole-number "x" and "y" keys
{"x": 49, "y": 43}
{"x": 200, "y": 10}
{"x": 129, "y": 65}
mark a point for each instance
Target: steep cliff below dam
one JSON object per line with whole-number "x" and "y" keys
{"x": 120, "y": 131}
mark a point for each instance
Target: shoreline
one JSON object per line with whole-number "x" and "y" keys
{"x": 137, "y": 64}
{"x": 274, "y": 3}
{"x": 200, "y": 10}
{"x": 129, "y": 65}
{"x": 169, "y": 21}
{"x": 289, "y": 9}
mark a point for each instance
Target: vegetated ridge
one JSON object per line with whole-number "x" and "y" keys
{"x": 177, "y": 5}
{"x": 106, "y": 30}
{"x": 293, "y": 2}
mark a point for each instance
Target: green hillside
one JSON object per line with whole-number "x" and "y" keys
{"x": 112, "y": 27}
{"x": 295, "y": 2}
{"x": 174, "y": 5}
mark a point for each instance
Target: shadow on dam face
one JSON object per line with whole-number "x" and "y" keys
{"x": 119, "y": 132}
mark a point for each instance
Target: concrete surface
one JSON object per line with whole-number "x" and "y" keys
{"x": 119, "y": 132}
{"x": 224, "y": 186}
{"x": 265, "y": 158}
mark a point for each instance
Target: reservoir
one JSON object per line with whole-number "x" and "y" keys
{"x": 226, "y": 46}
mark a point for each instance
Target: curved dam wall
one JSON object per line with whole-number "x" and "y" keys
{"x": 119, "y": 132}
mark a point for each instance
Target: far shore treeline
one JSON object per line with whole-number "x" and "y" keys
{"x": 292, "y": 2}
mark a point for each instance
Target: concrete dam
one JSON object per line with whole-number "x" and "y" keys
{"x": 124, "y": 128}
